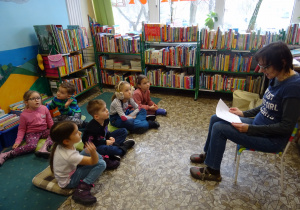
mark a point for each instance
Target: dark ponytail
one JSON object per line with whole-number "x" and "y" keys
{"x": 58, "y": 133}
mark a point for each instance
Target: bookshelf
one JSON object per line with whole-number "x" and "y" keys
{"x": 118, "y": 57}
{"x": 227, "y": 63}
{"x": 171, "y": 56}
{"x": 70, "y": 43}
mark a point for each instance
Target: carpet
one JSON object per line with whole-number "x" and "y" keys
{"x": 107, "y": 98}
{"x": 17, "y": 190}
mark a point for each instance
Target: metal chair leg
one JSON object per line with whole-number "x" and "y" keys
{"x": 237, "y": 168}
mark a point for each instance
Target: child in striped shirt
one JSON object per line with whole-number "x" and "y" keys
{"x": 67, "y": 105}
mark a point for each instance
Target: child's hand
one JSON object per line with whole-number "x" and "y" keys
{"x": 154, "y": 107}
{"x": 68, "y": 102}
{"x": 90, "y": 147}
{"x": 15, "y": 145}
{"x": 110, "y": 141}
{"x": 131, "y": 117}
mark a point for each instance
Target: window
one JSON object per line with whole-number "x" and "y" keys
{"x": 129, "y": 16}
{"x": 273, "y": 15}
{"x": 195, "y": 12}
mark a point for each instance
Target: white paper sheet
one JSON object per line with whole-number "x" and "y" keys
{"x": 222, "y": 111}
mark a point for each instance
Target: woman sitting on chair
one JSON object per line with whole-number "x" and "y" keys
{"x": 273, "y": 121}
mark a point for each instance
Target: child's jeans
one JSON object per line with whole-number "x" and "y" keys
{"x": 137, "y": 125}
{"x": 120, "y": 136}
{"x": 32, "y": 141}
{"x": 88, "y": 173}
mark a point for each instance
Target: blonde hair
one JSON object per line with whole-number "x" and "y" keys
{"x": 119, "y": 87}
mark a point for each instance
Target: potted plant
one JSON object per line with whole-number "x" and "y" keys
{"x": 212, "y": 17}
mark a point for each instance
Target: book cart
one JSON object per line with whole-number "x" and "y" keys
{"x": 70, "y": 43}
{"x": 171, "y": 56}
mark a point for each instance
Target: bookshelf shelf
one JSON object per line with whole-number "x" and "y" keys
{"x": 85, "y": 66}
{"x": 172, "y": 88}
{"x": 232, "y": 72}
{"x": 175, "y": 67}
{"x": 110, "y": 53}
{"x": 89, "y": 88}
{"x": 132, "y": 70}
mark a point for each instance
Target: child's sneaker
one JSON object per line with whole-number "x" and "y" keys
{"x": 83, "y": 194}
{"x": 161, "y": 112}
{"x": 150, "y": 117}
{"x": 153, "y": 124}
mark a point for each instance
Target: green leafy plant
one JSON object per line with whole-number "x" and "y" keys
{"x": 212, "y": 17}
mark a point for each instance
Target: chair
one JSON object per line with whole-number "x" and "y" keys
{"x": 240, "y": 149}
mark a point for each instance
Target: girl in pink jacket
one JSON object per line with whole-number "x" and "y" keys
{"x": 35, "y": 122}
{"x": 142, "y": 97}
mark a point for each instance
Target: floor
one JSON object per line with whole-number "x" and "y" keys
{"x": 155, "y": 173}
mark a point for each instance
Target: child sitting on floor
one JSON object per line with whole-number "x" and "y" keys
{"x": 71, "y": 168}
{"x": 122, "y": 117}
{"x": 142, "y": 97}
{"x": 67, "y": 105}
{"x": 35, "y": 122}
{"x": 96, "y": 131}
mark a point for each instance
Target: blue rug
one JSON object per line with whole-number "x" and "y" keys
{"x": 107, "y": 98}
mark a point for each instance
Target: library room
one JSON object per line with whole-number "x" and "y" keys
{"x": 150, "y": 104}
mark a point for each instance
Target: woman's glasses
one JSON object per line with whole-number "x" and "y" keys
{"x": 34, "y": 99}
{"x": 264, "y": 67}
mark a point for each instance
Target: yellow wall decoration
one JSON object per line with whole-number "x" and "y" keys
{"x": 13, "y": 89}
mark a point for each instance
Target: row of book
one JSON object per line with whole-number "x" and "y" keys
{"x": 219, "y": 82}
{"x": 171, "y": 56}
{"x": 158, "y": 32}
{"x": 105, "y": 62}
{"x": 117, "y": 43}
{"x": 222, "y": 62}
{"x": 8, "y": 121}
{"x": 247, "y": 41}
{"x": 172, "y": 78}
{"x": 238, "y": 41}
{"x": 86, "y": 79}
{"x": 112, "y": 78}
{"x": 68, "y": 40}
{"x": 293, "y": 34}
{"x": 72, "y": 63}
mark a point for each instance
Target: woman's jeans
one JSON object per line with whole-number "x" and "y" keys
{"x": 220, "y": 130}
{"x": 120, "y": 136}
{"x": 88, "y": 173}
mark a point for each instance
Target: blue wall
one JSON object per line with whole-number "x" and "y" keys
{"x": 17, "y": 17}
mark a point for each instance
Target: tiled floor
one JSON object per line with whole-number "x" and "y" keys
{"x": 155, "y": 173}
